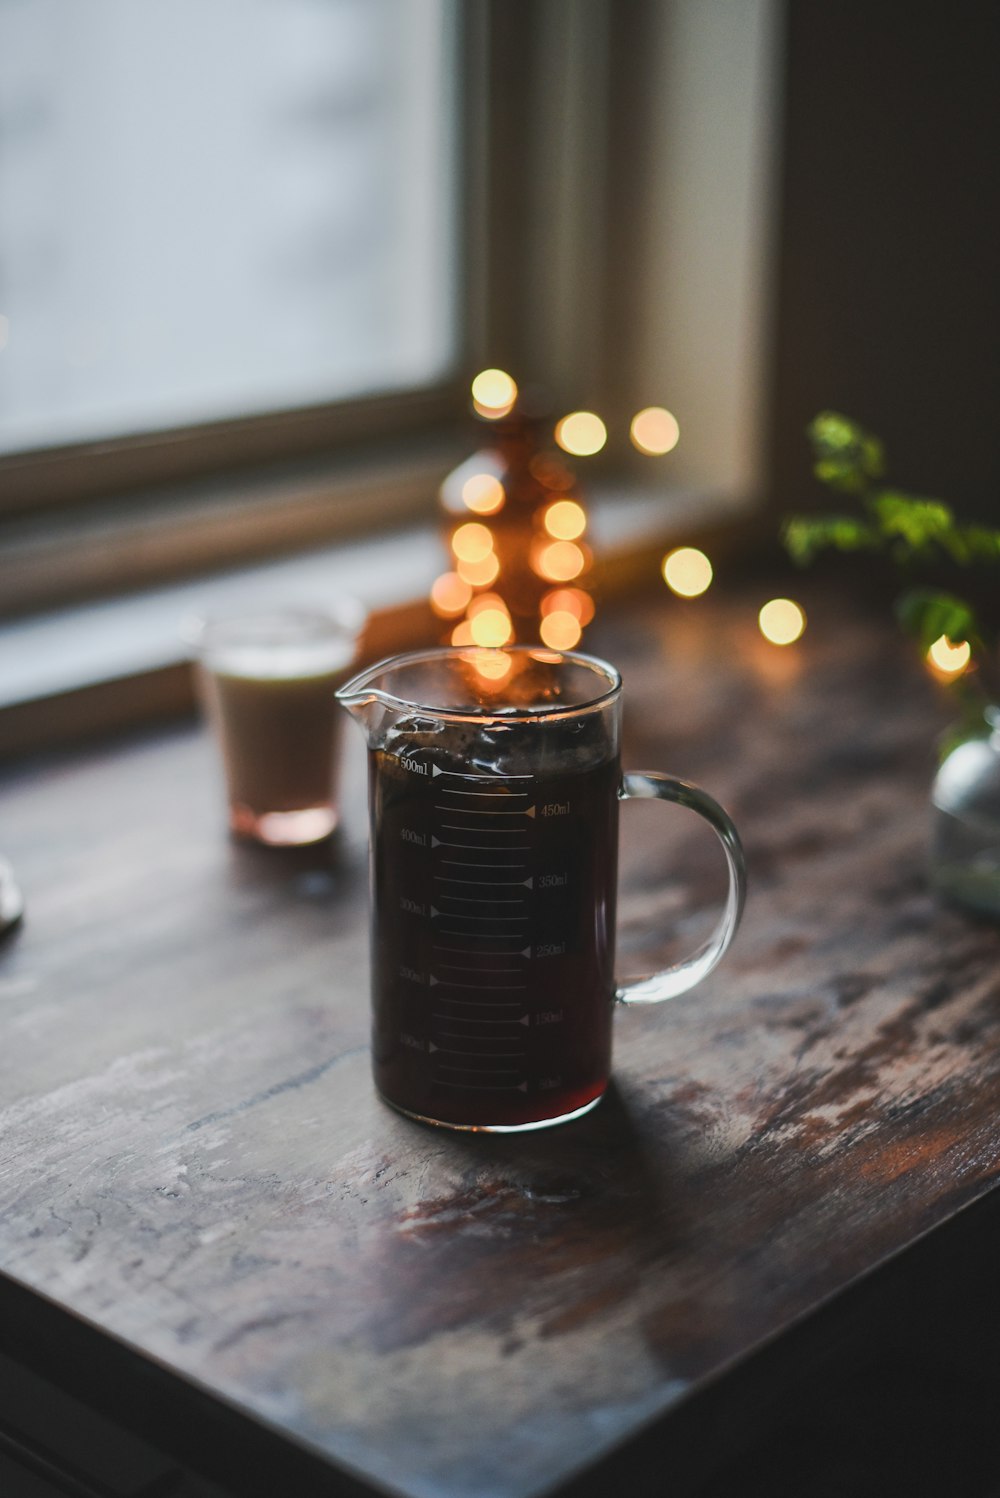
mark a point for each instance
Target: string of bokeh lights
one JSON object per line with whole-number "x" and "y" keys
{"x": 560, "y": 557}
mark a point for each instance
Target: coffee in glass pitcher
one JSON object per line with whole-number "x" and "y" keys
{"x": 494, "y": 783}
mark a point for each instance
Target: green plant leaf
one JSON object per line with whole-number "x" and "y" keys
{"x": 909, "y": 529}
{"x": 916, "y": 522}
{"x": 929, "y": 614}
{"x": 846, "y": 456}
{"x": 804, "y": 536}
{"x": 973, "y": 543}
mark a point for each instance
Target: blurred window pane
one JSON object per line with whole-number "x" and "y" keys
{"x": 214, "y": 208}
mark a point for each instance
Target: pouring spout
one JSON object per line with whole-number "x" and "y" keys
{"x": 358, "y": 704}
{"x": 365, "y": 702}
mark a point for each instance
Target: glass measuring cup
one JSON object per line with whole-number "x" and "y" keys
{"x": 494, "y": 783}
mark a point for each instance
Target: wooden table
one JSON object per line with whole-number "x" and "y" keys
{"x": 212, "y": 1229}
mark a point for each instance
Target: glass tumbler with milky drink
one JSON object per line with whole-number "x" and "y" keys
{"x": 268, "y": 681}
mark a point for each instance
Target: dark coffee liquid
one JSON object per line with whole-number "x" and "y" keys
{"x": 493, "y": 919}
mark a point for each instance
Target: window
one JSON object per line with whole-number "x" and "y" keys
{"x": 245, "y": 235}
{"x": 217, "y": 208}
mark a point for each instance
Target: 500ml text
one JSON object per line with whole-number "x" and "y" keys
{"x": 413, "y": 765}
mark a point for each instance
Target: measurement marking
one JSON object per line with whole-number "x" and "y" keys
{"x": 449, "y": 932}
{"x": 478, "y": 951}
{"x": 480, "y": 900}
{"x": 443, "y": 998}
{"x": 507, "y": 952}
{"x": 460, "y": 775}
{"x": 483, "y": 987}
{"x": 507, "y": 1038}
{"x": 456, "y": 915}
{"x": 521, "y": 1023}
{"x": 483, "y": 847}
{"x": 483, "y": 883}
{"x": 462, "y": 1019}
{"x": 446, "y": 790}
{"x": 460, "y": 916}
{"x": 493, "y": 831}
{"x": 481, "y": 1071}
{"x": 461, "y": 863}
{"x": 475, "y": 812}
{"x": 490, "y": 1055}
{"x": 458, "y": 1019}
{"x": 457, "y": 967}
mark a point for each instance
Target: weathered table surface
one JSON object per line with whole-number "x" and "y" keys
{"x": 193, "y": 1161}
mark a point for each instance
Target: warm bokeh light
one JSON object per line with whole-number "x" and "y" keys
{"x": 560, "y": 630}
{"x": 450, "y": 595}
{"x": 569, "y": 601}
{"x": 581, "y": 433}
{"x": 949, "y": 660}
{"x": 483, "y": 493}
{"x": 559, "y": 561}
{"x": 654, "y": 431}
{"x": 480, "y": 573}
{"x": 565, "y": 520}
{"x": 492, "y": 665}
{"x": 781, "y": 621}
{"x": 486, "y": 601}
{"x": 687, "y": 571}
{"x": 491, "y": 627}
{"x": 462, "y": 634}
{"x": 493, "y": 393}
{"x": 472, "y": 541}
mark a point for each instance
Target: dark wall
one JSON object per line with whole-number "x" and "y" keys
{"x": 888, "y": 260}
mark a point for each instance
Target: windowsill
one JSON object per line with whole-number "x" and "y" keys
{"x": 148, "y": 537}
{"x": 105, "y": 665}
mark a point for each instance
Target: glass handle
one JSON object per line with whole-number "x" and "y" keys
{"x": 649, "y": 785}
